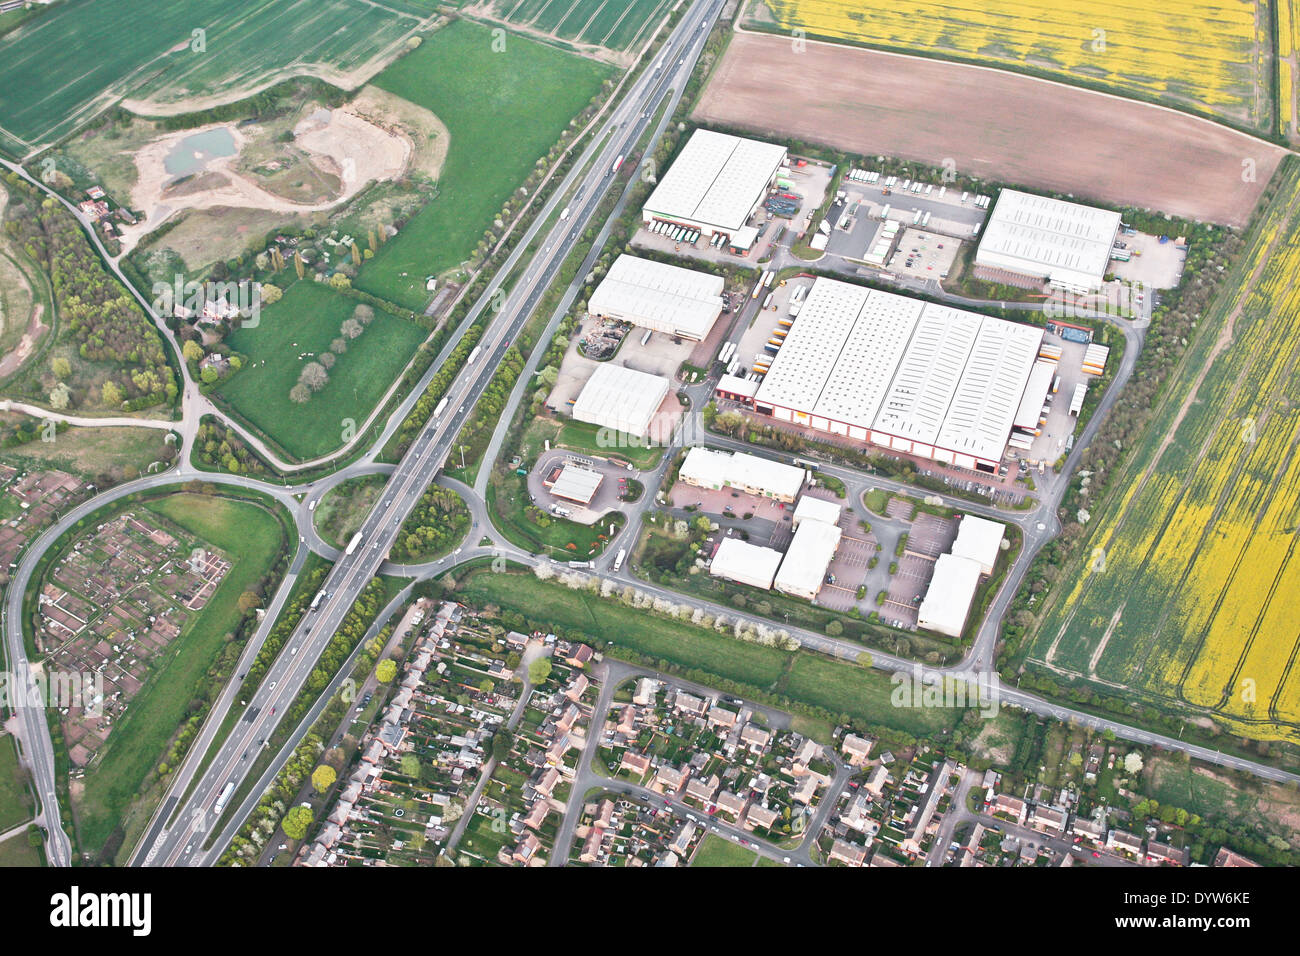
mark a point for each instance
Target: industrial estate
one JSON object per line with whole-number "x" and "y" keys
{"x": 729, "y": 433}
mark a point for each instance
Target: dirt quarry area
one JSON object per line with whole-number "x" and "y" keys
{"x": 333, "y": 154}
{"x": 992, "y": 124}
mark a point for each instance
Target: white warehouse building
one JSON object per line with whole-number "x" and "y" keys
{"x": 980, "y": 540}
{"x": 621, "y": 398}
{"x": 745, "y": 563}
{"x": 916, "y": 377}
{"x": 810, "y": 553}
{"x": 716, "y": 183}
{"x": 658, "y": 296}
{"x": 948, "y": 599}
{"x": 1064, "y": 243}
{"x": 706, "y": 468}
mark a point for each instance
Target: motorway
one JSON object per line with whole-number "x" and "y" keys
{"x": 185, "y": 820}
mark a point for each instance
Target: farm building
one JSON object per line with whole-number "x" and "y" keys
{"x": 948, "y": 598}
{"x": 915, "y": 377}
{"x": 810, "y": 553}
{"x": 746, "y": 563}
{"x": 980, "y": 540}
{"x": 716, "y": 183}
{"x": 1041, "y": 239}
{"x": 659, "y": 296}
{"x": 621, "y": 398}
{"x": 706, "y": 468}
{"x": 575, "y": 483}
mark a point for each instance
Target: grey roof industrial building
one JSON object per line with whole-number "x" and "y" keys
{"x": 658, "y": 296}
{"x": 917, "y": 377}
{"x": 716, "y": 183}
{"x": 1066, "y": 243}
{"x": 621, "y": 398}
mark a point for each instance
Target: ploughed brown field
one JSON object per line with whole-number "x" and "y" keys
{"x": 993, "y": 124}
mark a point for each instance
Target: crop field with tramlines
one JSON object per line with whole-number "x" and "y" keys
{"x": 1213, "y": 55}
{"x": 613, "y": 24}
{"x": 1288, "y": 66}
{"x": 64, "y": 66}
{"x": 1188, "y": 594}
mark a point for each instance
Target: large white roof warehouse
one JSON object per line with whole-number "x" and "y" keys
{"x": 917, "y": 377}
{"x": 621, "y": 398}
{"x": 716, "y": 182}
{"x": 1067, "y": 243}
{"x": 659, "y": 296}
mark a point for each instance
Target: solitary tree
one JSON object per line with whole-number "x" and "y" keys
{"x": 299, "y": 394}
{"x": 386, "y": 670}
{"x": 296, "y": 822}
{"x": 323, "y": 777}
{"x": 539, "y": 670}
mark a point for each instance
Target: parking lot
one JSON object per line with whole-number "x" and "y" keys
{"x": 922, "y": 254}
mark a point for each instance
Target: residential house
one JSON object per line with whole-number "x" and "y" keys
{"x": 1088, "y": 829}
{"x": 689, "y": 704}
{"x": 730, "y": 803}
{"x": 1163, "y": 853}
{"x": 754, "y": 737}
{"x": 877, "y": 780}
{"x": 808, "y": 787}
{"x": 668, "y": 780}
{"x": 1010, "y": 806}
{"x": 646, "y": 689}
{"x": 761, "y": 817}
{"x": 702, "y": 788}
{"x": 1127, "y": 842}
{"x": 579, "y": 655}
{"x": 848, "y": 853}
{"x": 576, "y": 689}
{"x": 722, "y": 719}
{"x": 856, "y": 749}
{"x": 1226, "y": 857}
{"x": 638, "y": 765}
{"x": 1048, "y": 819}
{"x": 527, "y": 850}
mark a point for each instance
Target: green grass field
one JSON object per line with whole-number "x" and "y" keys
{"x": 63, "y": 68}
{"x": 93, "y": 451}
{"x": 16, "y": 852}
{"x": 715, "y": 851}
{"x": 503, "y": 110}
{"x": 614, "y": 24}
{"x": 15, "y": 798}
{"x": 250, "y": 536}
{"x": 306, "y": 320}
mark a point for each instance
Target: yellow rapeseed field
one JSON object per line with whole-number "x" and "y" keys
{"x": 1195, "y": 601}
{"x": 1205, "y": 53}
{"x": 1288, "y": 40}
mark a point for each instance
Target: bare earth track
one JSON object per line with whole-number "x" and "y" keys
{"x": 993, "y": 124}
